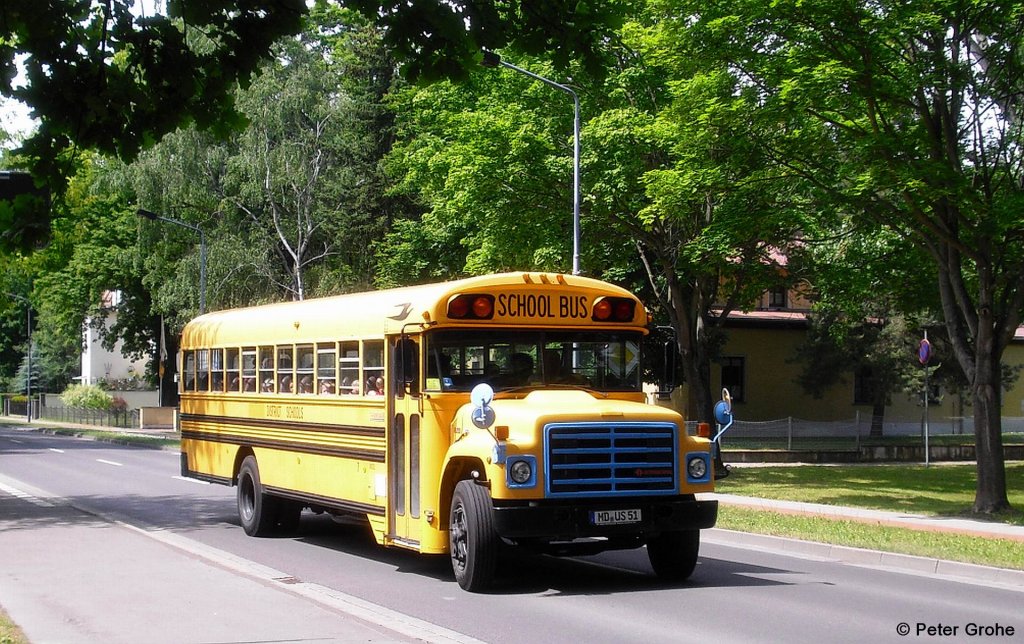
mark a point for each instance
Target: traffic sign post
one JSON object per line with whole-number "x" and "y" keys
{"x": 924, "y": 354}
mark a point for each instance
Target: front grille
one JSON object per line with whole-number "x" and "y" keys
{"x": 610, "y": 459}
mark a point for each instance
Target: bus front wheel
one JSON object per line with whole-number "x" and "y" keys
{"x": 673, "y": 555}
{"x": 255, "y": 508}
{"x": 472, "y": 539}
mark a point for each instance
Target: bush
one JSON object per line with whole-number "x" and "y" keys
{"x": 87, "y": 397}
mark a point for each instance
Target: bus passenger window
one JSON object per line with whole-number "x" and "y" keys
{"x": 266, "y": 377}
{"x": 285, "y": 371}
{"x": 373, "y": 366}
{"x": 232, "y": 371}
{"x": 249, "y": 369}
{"x": 217, "y": 370}
{"x": 348, "y": 367}
{"x": 326, "y": 366}
{"x": 188, "y": 371}
{"x": 304, "y": 369}
{"x": 202, "y": 369}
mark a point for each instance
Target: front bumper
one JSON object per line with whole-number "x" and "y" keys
{"x": 572, "y": 519}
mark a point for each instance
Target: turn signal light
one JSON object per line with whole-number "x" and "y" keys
{"x": 471, "y": 307}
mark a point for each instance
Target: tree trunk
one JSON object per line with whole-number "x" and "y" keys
{"x": 877, "y": 415}
{"x": 990, "y": 491}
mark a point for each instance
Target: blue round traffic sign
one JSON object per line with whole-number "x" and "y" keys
{"x": 924, "y": 352}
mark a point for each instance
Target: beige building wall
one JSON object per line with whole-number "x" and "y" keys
{"x": 772, "y": 393}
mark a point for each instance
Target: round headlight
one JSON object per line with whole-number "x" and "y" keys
{"x": 520, "y": 472}
{"x": 697, "y": 468}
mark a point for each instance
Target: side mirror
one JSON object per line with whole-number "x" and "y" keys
{"x": 481, "y": 397}
{"x": 723, "y": 409}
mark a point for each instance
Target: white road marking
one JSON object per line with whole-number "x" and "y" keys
{"x": 106, "y": 462}
{"x": 188, "y": 480}
{"x": 25, "y": 496}
{"x": 54, "y": 449}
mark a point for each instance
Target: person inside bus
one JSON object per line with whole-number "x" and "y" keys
{"x": 286, "y": 384}
{"x": 520, "y": 370}
{"x": 306, "y": 384}
{"x": 268, "y": 385}
{"x": 327, "y": 386}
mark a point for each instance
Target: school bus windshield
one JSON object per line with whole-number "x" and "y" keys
{"x": 457, "y": 360}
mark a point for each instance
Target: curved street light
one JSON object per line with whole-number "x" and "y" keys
{"x": 152, "y": 216}
{"x": 492, "y": 59}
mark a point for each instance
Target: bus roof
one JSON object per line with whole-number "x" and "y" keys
{"x": 537, "y": 300}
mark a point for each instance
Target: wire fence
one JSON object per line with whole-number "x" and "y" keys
{"x": 797, "y": 434}
{"x": 123, "y": 418}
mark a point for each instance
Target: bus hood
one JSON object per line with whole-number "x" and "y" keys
{"x": 524, "y": 415}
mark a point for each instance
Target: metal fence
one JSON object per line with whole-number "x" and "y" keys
{"x": 126, "y": 418}
{"x": 798, "y": 434}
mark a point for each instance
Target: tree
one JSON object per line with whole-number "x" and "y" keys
{"x": 663, "y": 176}
{"x": 99, "y": 77}
{"x": 911, "y": 116}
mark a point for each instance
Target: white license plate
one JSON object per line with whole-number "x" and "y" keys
{"x": 614, "y": 517}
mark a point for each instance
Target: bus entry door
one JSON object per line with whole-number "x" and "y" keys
{"x": 404, "y": 442}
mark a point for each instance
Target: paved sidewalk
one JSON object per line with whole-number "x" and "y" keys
{"x": 880, "y": 517}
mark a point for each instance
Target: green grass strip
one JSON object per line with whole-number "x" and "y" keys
{"x": 1002, "y": 553}
{"x": 938, "y": 490}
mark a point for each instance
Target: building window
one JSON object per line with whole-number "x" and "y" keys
{"x": 777, "y": 298}
{"x": 863, "y": 387}
{"x": 733, "y": 376}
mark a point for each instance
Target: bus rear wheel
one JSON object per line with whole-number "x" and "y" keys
{"x": 472, "y": 539}
{"x": 673, "y": 555}
{"x": 256, "y": 509}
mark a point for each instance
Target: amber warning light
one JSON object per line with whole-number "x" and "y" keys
{"x": 471, "y": 307}
{"x": 614, "y": 309}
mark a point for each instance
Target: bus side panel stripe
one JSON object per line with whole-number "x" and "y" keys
{"x": 285, "y": 424}
{"x": 305, "y": 448}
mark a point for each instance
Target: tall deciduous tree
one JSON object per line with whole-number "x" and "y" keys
{"x": 914, "y": 122}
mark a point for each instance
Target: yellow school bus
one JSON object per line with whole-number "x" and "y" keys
{"x": 454, "y": 417}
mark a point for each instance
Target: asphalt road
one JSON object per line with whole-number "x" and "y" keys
{"x": 330, "y": 575}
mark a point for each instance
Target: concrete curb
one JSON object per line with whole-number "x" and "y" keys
{"x": 874, "y": 558}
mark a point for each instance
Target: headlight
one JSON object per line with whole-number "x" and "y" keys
{"x": 697, "y": 467}
{"x": 520, "y": 472}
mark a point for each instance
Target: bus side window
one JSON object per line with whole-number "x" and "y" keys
{"x": 266, "y": 372}
{"x": 326, "y": 369}
{"x": 232, "y": 370}
{"x": 373, "y": 368}
{"x": 217, "y": 370}
{"x": 202, "y": 370}
{"x": 304, "y": 369}
{"x": 188, "y": 371}
{"x": 407, "y": 367}
{"x": 285, "y": 370}
{"x": 249, "y": 369}
{"x": 348, "y": 365}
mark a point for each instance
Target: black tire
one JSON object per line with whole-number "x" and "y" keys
{"x": 673, "y": 555}
{"x": 257, "y": 510}
{"x": 471, "y": 537}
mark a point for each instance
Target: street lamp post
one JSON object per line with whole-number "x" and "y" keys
{"x": 28, "y": 375}
{"x": 152, "y": 216}
{"x": 492, "y": 59}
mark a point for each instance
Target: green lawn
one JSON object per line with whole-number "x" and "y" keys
{"x": 945, "y": 490}
{"x": 941, "y": 489}
{"x": 1002, "y": 553}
